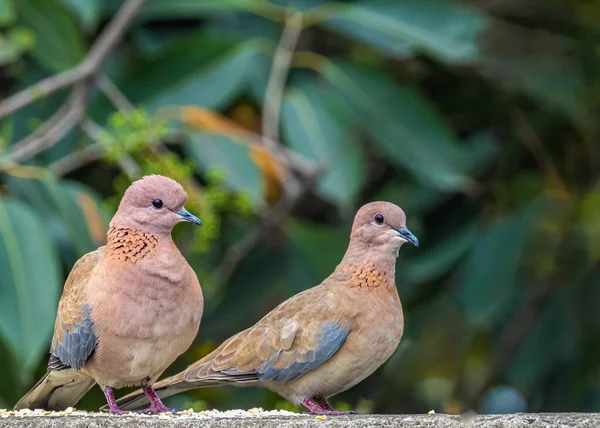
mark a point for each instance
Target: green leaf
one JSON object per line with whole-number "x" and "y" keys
{"x": 91, "y": 206}
{"x": 7, "y": 12}
{"x": 160, "y": 9}
{"x": 29, "y": 283}
{"x": 87, "y": 11}
{"x": 6, "y": 133}
{"x": 443, "y": 29}
{"x": 313, "y": 130}
{"x": 259, "y": 77}
{"x": 59, "y": 44}
{"x": 414, "y": 198}
{"x": 549, "y": 343}
{"x": 332, "y": 243}
{"x": 404, "y": 124}
{"x": 211, "y": 151}
{"x": 558, "y": 82}
{"x": 35, "y": 112}
{"x": 589, "y": 221}
{"x": 490, "y": 277}
{"x": 63, "y": 211}
{"x": 204, "y": 68}
{"x": 10, "y": 51}
{"x": 483, "y": 150}
{"x": 214, "y": 85}
{"x": 13, "y": 46}
{"x": 23, "y": 37}
{"x": 441, "y": 258}
{"x": 151, "y": 41}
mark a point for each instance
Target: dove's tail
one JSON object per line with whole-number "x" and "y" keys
{"x": 199, "y": 375}
{"x": 165, "y": 388}
{"x": 57, "y": 390}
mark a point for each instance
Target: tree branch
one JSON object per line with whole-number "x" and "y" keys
{"x": 77, "y": 159}
{"x": 276, "y": 83}
{"x": 295, "y": 186}
{"x": 94, "y": 152}
{"x": 113, "y": 93}
{"x": 51, "y": 131}
{"x": 88, "y": 68}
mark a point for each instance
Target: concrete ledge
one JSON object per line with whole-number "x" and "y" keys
{"x": 260, "y": 419}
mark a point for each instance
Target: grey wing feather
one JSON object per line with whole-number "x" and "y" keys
{"x": 77, "y": 344}
{"x": 332, "y": 337}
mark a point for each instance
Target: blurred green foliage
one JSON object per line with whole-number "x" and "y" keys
{"x": 477, "y": 117}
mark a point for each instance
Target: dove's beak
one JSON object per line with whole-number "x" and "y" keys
{"x": 187, "y": 216}
{"x": 408, "y": 236}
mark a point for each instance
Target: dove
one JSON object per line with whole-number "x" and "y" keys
{"x": 323, "y": 340}
{"x": 128, "y": 309}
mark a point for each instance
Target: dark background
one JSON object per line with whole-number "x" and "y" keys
{"x": 477, "y": 117}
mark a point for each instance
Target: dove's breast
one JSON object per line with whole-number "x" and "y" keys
{"x": 142, "y": 324}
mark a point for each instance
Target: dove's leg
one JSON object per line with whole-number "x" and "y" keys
{"x": 323, "y": 404}
{"x": 156, "y": 406}
{"x": 112, "y": 404}
{"x": 325, "y": 408}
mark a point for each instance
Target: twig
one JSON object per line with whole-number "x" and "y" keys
{"x": 77, "y": 159}
{"x": 523, "y": 321}
{"x": 90, "y": 66}
{"x": 126, "y": 162}
{"x": 511, "y": 340}
{"x": 52, "y": 130}
{"x": 111, "y": 36}
{"x": 41, "y": 89}
{"x": 276, "y": 83}
{"x": 535, "y": 146}
{"x": 113, "y": 93}
{"x": 241, "y": 249}
{"x": 120, "y": 102}
{"x": 295, "y": 186}
{"x": 282, "y": 60}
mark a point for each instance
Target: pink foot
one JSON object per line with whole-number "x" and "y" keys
{"x": 325, "y": 408}
{"x": 156, "y": 406}
{"x": 323, "y": 403}
{"x": 152, "y": 410}
{"x": 112, "y": 404}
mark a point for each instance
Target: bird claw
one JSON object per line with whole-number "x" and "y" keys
{"x": 156, "y": 409}
{"x": 325, "y": 409}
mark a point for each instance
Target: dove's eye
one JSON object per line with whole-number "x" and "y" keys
{"x": 157, "y": 203}
{"x": 378, "y": 218}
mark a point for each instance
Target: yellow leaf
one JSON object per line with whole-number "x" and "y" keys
{"x": 272, "y": 173}
{"x": 207, "y": 120}
{"x": 247, "y": 117}
{"x": 272, "y": 170}
{"x": 93, "y": 218}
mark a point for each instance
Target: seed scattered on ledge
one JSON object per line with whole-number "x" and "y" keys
{"x": 185, "y": 414}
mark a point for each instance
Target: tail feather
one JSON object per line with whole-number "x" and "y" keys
{"x": 176, "y": 384}
{"x": 165, "y": 388}
{"x": 57, "y": 390}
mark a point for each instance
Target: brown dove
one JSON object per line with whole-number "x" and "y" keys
{"x": 128, "y": 309}
{"x": 325, "y": 339}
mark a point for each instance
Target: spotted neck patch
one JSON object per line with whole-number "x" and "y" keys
{"x": 366, "y": 276}
{"x": 127, "y": 245}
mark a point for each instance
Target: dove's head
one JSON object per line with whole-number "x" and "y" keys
{"x": 382, "y": 224}
{"x": 153, "y": 204}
